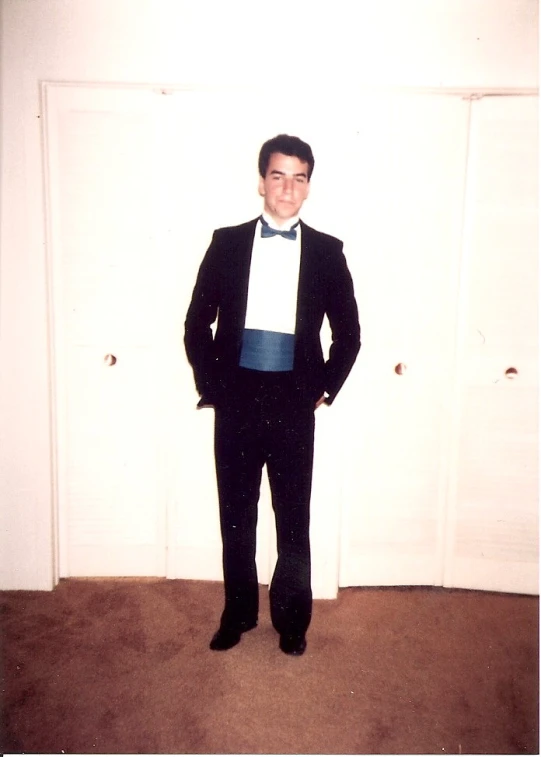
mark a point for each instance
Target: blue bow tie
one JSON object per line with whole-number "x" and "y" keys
{"x": 268, "y": 231}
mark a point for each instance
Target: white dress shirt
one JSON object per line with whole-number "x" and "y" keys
{"x": 274, "y": 280}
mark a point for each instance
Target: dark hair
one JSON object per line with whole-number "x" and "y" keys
{"x": 286, "y": 145}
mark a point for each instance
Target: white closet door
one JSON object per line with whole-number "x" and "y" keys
{"x": 137, "y": 181}
{"x": 493, "y": 518}
{"x": 408, "y": 167}
{"x": 107, "y": 273}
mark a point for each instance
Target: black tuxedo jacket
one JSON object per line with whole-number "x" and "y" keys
{"x": 221, "y": 291}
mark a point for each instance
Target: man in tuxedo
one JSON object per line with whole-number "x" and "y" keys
{"x": 270, "y": 282}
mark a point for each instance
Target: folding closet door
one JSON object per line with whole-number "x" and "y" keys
{"x": 441, "y": 468}
{"x": 492, "y": 525}
{"x": 409, "y": 160}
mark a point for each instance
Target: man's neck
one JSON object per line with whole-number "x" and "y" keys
{"x": 280, "y": 223}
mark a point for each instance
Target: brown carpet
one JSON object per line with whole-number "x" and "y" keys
{"x": 123, "y": 666}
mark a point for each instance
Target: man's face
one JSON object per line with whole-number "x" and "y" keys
{"x": 285, "y": 187}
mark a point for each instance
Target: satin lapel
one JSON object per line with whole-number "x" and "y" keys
{"x": 243, "y": 259}
{"x": 306, "y": 277}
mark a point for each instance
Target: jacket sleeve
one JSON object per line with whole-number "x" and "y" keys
{"x": 202, "y": 312}
{"x": 343, "y": 318}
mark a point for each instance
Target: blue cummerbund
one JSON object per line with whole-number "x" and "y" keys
{"x": 267, "y": 350}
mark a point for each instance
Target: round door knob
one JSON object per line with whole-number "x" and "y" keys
{"x": 511, "y": 373}
{"x": 109, "y": 360}
{"x": 400, "y": 369}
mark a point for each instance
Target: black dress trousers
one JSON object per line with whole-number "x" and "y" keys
{"x": 265, "y": 421}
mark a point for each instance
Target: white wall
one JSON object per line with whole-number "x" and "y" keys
{"x": 475, "y": 45}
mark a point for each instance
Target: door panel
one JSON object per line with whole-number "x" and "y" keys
{"x": 493, "y": 507}
{"x": 106, "y": 280}
{"x": 410, "y": 162}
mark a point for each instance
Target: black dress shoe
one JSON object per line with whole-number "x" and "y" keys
{"x": 226, "y": 638}
{"x": 294, "y": 645}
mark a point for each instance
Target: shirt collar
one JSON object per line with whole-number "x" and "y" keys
{"x": 284, "y": 226}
